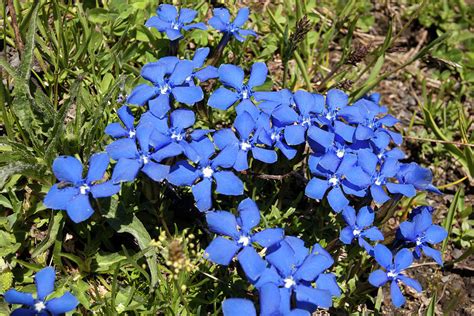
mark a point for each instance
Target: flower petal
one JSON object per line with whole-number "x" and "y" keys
{"x": 269, "y": 237}
{"x": 435, "y": 234}
{"x": 403, "y": 259}
{"x": 238, "y": 307}
{"x": 58, "y": 199}
{"x": 167, "y": 12}
{"x": 182, "y": 173}
{"x": 98, "y": 163}
{"x": 65, "y": 303}
{"x": 258, "y": 74}
{"x": 378, "y": 278}
{"x": 414, "y": 284}
{"x": 251, "y": 262}
{"x": 320, "y": 298}
{"x": 228, "y": 183}
{"x": 203, "y": 194}
{"x": 397, "y": 297}
{"x": 79, "y": 208}
{"x": 295, "y": 134}
{"x": 365, "y": 217}
{"x": 67, "y": 169}
{"x": 249, "y": 215}
{"x": 265, "y": 155}
{"x": 156, "y": 171}
{"x": 316, "y": 188}
{"x": 222, "y": 98}
{"x": 16, "y": 297}
{"x": 160, "y": 105}
{"x": 105, "y": 189}
{"x": 433, "y": 253}
{"x": 346, "y": 235}
{"x": 182, "y": 119}
{"x": 231, "y": 75}
{"x": 223, "y": 223}
{"x": 221, "y": 250}
{"x": 383, "y": 255}
{"x": 126, "y": 170}
{"x": 337, "y": 200}
{"x": 186, "y": 15}
{"x": 141, "y": 94}
{"x": 122, "y": 148}
{"x": 241, "y": 17}
{"x": 116, "y": 130}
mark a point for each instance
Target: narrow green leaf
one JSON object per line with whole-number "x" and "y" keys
{"x": 55, "y": 225}
{"x": 448, "y": 222}
{"x": 27, "y": 57}
{"x": 431, "y": 308}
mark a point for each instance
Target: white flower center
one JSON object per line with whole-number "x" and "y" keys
{"x": 419, "y": 241}
{"x": 84, "y": 189}
{"x": 175, "y": 26}
{"x": 378, "y": 181}
{"x": 306, "y": 121}
{"x": 244, "y": 240}
{"x": 132, "y": 133}
{"x": 289, "y": 282}
{"x": 340, "y": 153}
{"x": 207, "y": 172}
{"x": 39, "y": 306}
{"x": 392, "y": 274}
{"x": 176, "y": 136}
{"x": 380, "y": 155}
{"x": 145, "y": 159}
{"x": 356, "y": 232}
{"x": 275, "y": 136}
{"x": 245, "y": 94}
{"x": 333, "y": 180}
{"x": 330, "y": 116}
{"x": 164, "y": 88}
{"x": 245, "y": 146}
{"x": 188, "y": 79}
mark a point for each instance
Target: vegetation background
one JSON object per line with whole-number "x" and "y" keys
{"x": 64, "y": 65}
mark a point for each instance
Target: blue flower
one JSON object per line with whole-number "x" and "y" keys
{"x": 44, "y": 280}
{"x": 233, "y": 77}
{"x": 422, "y": 233}
{"x": 239, "y": 230}
{"x": 201, "y": 173}
{"x": 72, "y": 193}
{"x": 168, "y": 20}
{"x": 221, "y": 22}
{"x": 170, "y": 140}
{"x": 421, "y": 178}
{"x": 116, "y": 130}
{"x": 272, "y": 135}
{"x": 132, "y": 158}
{"x": 168, "y": 76}
{"x": 360, "y": 227}
{"x": 380, "y": 175}
{"x": 343, "y": 176}
{"x": 300, "y": 118}
{"x": 237, "y": 149}
{"x": 295, "y": 270}
{"x": 393, "y": 272}
{"x": 269, "y": 101}
{"x": 203, "y": 74}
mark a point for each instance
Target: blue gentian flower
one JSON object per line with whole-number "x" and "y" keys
{"x": 73, "y": 191}
{"x": 168, "y": 76}
{"x": 393, "y": 272}
{"x": 419, "y": 210}
{"x": 294, "y": 270}
{"x": 422, "y": 233}
{"x": 233, "y": 77}
{"x": 221, "y": 22}
{"x": 41, "y": 306}
{"x": 380, "y": 176}
{"x": 201, "y": 173}
{"x": 272, "y": 135}
{"x": 360, "y": 227}
{"x": 237, "y": 149}
{"x": 132, "y": 158}
{"x": 342, "y": 177}
{"x": 170, "y": 140}
{"x": 203, "y": 74}
{"x": 239, "y": 230}
{"x": 169, "y": 21}
{"x": 421, "y": 178}
{"x": 117, "y": 130}
{"x": 299, "y": 119}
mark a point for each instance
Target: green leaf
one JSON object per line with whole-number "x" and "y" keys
{"x": 124, "y": 222}
{"x": 431, "y": 308}
{"x": 448, "y": 222}
{"x": 19, "y": 167}
{"x": 55, "y": 225}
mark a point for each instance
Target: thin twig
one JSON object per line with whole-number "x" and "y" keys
{"x": 438, "y": 141}
{"x": 16, "y": 29}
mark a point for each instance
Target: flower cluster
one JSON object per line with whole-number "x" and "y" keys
{"x": 352, "y": 155}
